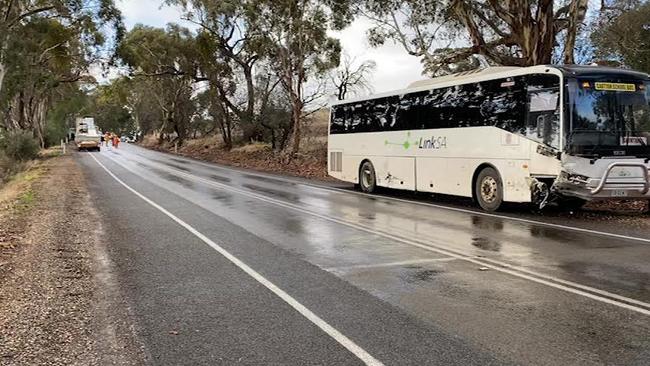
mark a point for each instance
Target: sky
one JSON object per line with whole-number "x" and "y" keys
{"x": 395, "y": 68}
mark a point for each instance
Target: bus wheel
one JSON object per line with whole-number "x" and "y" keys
{"x": 489, "y": 189}
{"x": 367, "y": 178}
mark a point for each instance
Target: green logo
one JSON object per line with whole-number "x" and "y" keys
{"x": 406, "y": 144}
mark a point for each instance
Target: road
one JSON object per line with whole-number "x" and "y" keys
{"x": 227, "y": 266}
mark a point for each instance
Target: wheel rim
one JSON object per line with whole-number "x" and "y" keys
{"x": 489, "y": 189}
{"x": 367, "y": 178}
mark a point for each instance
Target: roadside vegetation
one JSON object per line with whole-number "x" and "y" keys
{"x": 248, "y": 82}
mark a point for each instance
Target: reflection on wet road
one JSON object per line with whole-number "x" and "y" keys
{"x": 525, "y": 292}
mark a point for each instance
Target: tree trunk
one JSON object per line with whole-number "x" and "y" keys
{"x": 296, "y": 114}
{"x": 248, "y": 120}
{"x": 3, "y": 51}
{"x": 3, "y": 72}
{"x": 577, "y": 11}
{"x": 250, "y": 89}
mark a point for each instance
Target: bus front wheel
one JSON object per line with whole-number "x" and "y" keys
{"x": 367, "y": 178}
{"x": 489, "y": 189}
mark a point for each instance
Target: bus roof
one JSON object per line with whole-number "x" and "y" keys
{"x": 495, "y": 73}
{"x": 584, "y": 70}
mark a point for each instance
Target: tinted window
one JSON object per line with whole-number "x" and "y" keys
{"x": 500, "y": 103}
{"x": 543, "y": 109}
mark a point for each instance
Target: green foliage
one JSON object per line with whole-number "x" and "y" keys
{"x": 626, "y": 38}
{"x": 20, "y": 146}
{"x": 67, "y": 103}
{"x": 164, "y": 60}
{"x": 27, "y": 198}
{"x": 8, "y": 166}
{"x": 447, "y": 35}
{"x": 46, "y": 49}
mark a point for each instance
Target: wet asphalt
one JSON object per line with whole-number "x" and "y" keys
{"x": 410, "y": 283}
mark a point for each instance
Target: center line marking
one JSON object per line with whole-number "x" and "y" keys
{"x": 414, "y": 202}
{"x": 304, "y": 311}
{"x": 558, "y": 283}
{"x": 392, "y": 264}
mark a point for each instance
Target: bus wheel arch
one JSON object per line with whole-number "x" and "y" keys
{"x": 492, "y": 184}
{"x": 367, "y": 176}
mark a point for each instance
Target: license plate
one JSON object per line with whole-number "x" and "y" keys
{"x": 619, "y": 193}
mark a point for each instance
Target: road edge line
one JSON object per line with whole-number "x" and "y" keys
{"x": 339, "y": 337}
{"x": 568, "y": 286}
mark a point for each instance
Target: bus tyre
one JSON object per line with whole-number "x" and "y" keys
{"x": 489, "y": 189}
{"x": 367, "y": 178}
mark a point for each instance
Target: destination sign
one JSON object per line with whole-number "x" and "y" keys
{"x": 615, "y": 87}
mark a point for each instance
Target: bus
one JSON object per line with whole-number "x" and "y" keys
{"x": 540, "y": 134}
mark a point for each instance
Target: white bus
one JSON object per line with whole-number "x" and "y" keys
{"x": 505, "y": 134}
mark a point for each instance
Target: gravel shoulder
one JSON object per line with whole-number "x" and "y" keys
{"x": 59, "y": 303}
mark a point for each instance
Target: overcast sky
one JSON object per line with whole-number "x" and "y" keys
{"x": 395, "y": 68}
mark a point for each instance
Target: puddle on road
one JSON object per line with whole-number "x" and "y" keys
{"x": 612, "y": 275}
{"x": 420, "y": 275}
{"x": 487, "y": 223}
{"x": 574, "y": 238}
{"x": 366, "y": 215}
{"x": 222, "y": 197}
{"x": 274, "y": 192}
{"x": 486, "y": 244}
{"x": 219, "y": 178}
{"x": 180, "y": 161}
{"x": 268, "y": 179}
{"x": 179, "y": 167}
{"x": 172, "y": 165}
{"x": 173, "y": 178}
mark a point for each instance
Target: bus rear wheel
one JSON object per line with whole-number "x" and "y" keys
{"x": 488, "y": 189}
{"x": 367, "y": 177}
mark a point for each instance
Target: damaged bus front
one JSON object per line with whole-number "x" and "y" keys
{"x": 606, "y": 132}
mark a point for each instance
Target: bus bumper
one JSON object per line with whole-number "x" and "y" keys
{"x": 620, "y": 180}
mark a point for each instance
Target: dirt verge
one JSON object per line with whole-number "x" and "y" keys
{"x": 59, "y": 305}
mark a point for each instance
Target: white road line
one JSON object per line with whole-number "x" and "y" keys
{"x": 456, "y": 209}
{"x": 392, "y": 264}
{"x": 558, "y": 283}
{"x": 304, "y": 311}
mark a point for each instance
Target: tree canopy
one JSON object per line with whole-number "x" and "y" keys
{"x": 449, "y": 32}
{"x": 625, "y": 35}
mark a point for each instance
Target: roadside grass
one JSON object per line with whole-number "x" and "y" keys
{"x": 18, "y": 197}
{"x": 27, "y": 198}
{"x": 17, "y": 191}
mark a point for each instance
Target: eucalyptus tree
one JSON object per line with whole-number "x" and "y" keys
{"x": 517, "y": 33}
{"x": 624, "y": 34}
{"x": 352, "y": 77}
{"x": 46, "y": 49}
{"x": 84, "y": 18}
{"x": 168, "y": 58}
{"x": 299, "y": 49}
{"x": 230, "y": 44}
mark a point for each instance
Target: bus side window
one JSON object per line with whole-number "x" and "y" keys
{"x": 543, "y": 109}
{"x": 338, "y": 119}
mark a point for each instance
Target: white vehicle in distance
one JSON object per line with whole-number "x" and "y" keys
{"x": 86, "y": 135}
{"x": 537, "y": 134}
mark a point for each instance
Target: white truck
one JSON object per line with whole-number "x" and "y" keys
{"x": 86, "y": 136}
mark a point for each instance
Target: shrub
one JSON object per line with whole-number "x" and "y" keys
{"x": 20, "y": 146}
{"x": 8, "y": 167}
